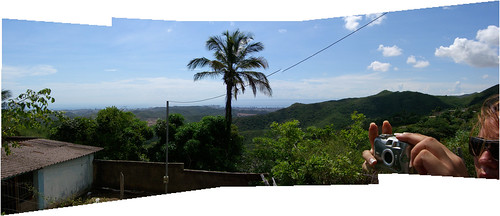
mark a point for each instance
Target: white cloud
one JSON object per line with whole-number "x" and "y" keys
{"x": 282, "y": 31}
{"x": 417, "y": 64}
{"x": 373, "y": 16}
{"x": 379, "y": 66}
{"x": 136, "y": 91}
{"x": 488, "y": 35}
{"x": 390, "y": 51}
{"x": 421, "y": 64}
{"x": 481, "y": 53}
{"x": 411, "y": 60}
{"x": 352, "y": 22}
{"x": 27, "y": 71}
{"x": 111, "y": 70}
{"x": 485, "y": 76}
{"x": 457, "y": 88}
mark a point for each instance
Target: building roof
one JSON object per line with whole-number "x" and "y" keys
{"x": 34, "y": 154}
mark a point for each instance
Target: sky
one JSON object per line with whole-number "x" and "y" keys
{"x": 140, "y": 63}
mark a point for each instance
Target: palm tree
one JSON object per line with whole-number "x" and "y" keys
{"x": 6, "y": 94}
{"x": 233, "y": 62}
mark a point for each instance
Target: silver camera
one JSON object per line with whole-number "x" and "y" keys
{"x": 392, "y": 155}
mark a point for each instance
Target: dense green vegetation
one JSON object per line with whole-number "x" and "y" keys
{"x": 316, "y": 151}
{"x": 311, "y": 156}
{"x": 120, "y": 134}
{"x": 199, "y": 145}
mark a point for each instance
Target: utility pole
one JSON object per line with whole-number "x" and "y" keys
{"x": 165, "y": 178}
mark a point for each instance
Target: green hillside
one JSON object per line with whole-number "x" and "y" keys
{"x": 384, "y": 105}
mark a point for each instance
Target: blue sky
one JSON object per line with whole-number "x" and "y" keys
{"x": 142, "y": 63}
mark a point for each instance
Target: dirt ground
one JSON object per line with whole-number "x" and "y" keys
{"x": 97, "y": 195}
{"x": 113, "y": 194}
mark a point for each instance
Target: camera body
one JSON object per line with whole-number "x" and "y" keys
{"x": 392, "y": 155}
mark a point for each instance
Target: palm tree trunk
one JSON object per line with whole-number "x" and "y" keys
{"x": 229, "y": 98}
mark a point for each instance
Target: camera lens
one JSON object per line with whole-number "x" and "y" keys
{"x": 388, "y": 157}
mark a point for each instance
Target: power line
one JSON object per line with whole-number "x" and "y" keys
{"x": 197, "y": 101}
{"x": 316, "y": 53}
{"x": 303, "y": 60}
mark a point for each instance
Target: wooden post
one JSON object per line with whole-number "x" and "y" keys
{"x": 122, "y": 185}
{"x": 264, "y": 179}
{"x": 165, "y": 178}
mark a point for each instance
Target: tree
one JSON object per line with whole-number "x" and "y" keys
{"x": 312, "y": 156}
{"x": 79, "y": 130}
{"x": 121, "y": 134}
{"x": 157, "y": 152}
{"x": 205, "y": 145}
{"x": 233, "y": 62}
{"x": 356, "y": 136}
{"x": 6, "y": 94}
{"x": 27, "y": 111}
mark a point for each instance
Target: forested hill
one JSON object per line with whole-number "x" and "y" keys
{"x": 384, "y": 105}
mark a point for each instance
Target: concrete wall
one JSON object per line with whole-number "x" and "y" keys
{"x": 63, "y": 180}
{"x": 148, "y": 176}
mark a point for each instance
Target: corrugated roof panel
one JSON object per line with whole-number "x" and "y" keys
{"x": 38, "y": 153}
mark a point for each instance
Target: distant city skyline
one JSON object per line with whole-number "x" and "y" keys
{"x": 140, "y": 63}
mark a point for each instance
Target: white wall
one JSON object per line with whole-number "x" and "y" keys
{"x": 64, "y": 180}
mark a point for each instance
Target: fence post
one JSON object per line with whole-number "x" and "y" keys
{"x": 122, "y": 185}
{"x": 264, "y": 179}
{"x": 165, "y": 178}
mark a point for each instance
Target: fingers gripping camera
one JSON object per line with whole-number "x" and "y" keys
{"x": 392, "y": 155}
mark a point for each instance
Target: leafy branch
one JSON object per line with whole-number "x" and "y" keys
{"x": 27, "y": 111}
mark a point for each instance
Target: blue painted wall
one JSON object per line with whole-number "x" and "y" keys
{"x": 64, "y": 180}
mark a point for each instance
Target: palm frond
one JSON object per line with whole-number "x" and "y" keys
{"x": 198, "y": 62}
{"x": 204, "y": 74}
{"x": 217, "y": 66}
{"x": 253, "y": 62}
{"x": 254, "y": 47}
{"x": 238, "y": 85}
{"x": 257, "y": 80}
{"x": 215, "y": 43}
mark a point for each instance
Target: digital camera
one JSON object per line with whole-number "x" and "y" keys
{"x": 392, "y": 155}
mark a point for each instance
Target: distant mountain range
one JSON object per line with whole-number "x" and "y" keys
{"x": 337, "y": 112}
{"x": 382, "y": 105}
{"x": 190, "y": 113}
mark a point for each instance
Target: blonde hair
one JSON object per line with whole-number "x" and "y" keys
{"x": 488, "y": 117}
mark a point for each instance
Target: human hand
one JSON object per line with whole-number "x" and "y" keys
{"x": 370, "y": 160}
{"x": 430, "y": 157}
